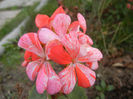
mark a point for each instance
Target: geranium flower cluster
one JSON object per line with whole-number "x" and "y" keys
{"x": 129, "y": 5}
{"x": 64, "y": 42}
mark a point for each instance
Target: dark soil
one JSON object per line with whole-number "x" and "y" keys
{"x": 116, "y": 71}
{"x": 14, "y": 83}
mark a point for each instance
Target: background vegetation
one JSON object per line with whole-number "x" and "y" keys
{"x": 109, "y": 24}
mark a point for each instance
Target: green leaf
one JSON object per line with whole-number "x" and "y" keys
{"x": 110, "y": 88}
{"x": 98, "y": 88}
{"x": 102, "y": 96}
{"x": 97, "y": 97}
{"x": 34, "y": 95}
{"x": 77, "y": 93}
{"x": 103, "y": 84}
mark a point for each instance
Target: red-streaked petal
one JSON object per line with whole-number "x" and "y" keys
{"x": 55, "y": 51}
{"x": 35, "y": 57}
{"x": 57, "y": 11}
{"x": 89, "y": 54}
{"x": 24, "y": 64}
{"x": 27, "y": 56}
{"x": 54, "y": 84}
{"x": 74, "y": 26}
{"x": 32, "y": 69}
{"x": 46, "y": 35}
{"x": 68, "y": 79}
{"x": 86, "y": 77}
{"x": 42, "y": 21}
{"x": 84, "y": 39}
{"x": 71, "y": 43}
{"x": 92, "y": 65}
{"x": 42, "y": 80}
{"x": 61, "y": 23}
{"x": 82, "y": 22}
{"x": 31, "y": 43}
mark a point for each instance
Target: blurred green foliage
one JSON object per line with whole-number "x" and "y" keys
{"x": 102, "y": 88}
{"x": 12, "y": 56}
{"x": 34, "y": 95}
{"x": 110, "y": 23}
{"x": 77, "y": 93}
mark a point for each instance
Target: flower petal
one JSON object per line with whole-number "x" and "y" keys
{"x": 42, "y": 80}
{"x": 84, "y": 39}
{"x": 46, "y": 35}
{"x": 86, "y": 77}
{"x": 54, "y": 84}
{"x": 28, "y": 56}
{"x": 74, "y": 26}
{"x": 55, "y": 51}
{"x": 61, "y": 23}
{"x": 89, "y": 54}
{"x": 24, "y": 64}
{"x": 57, "y": 11}
{"x": 42, "y": 21}
{"x": 31, "y": 43}
{"x": 35, "y": 57}
{"x": 82, "y": 22}
{"x": 32, "y": 69}
{"x": 71, "y": 43}
{"x": 68, "y": 79}
{"x": 92, "y": 65}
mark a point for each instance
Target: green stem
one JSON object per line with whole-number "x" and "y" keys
{"x": 104, "y": 43}
{"x": 127, "y": 37}
{"x": 116, "y": 31}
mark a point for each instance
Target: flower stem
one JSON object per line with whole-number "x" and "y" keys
{"x": 54, "y": 96}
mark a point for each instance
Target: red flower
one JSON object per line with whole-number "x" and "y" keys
{"x": 45, "y": 21}
{"x": 74, "y": 55}
{"x": 77, "y": 50}
{"x": 64, "y": 43}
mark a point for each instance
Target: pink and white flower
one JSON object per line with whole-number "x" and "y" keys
{"x": 65, "y": 43}
{"x": 76, "y": 56}
{"x": 38, "y": 66}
